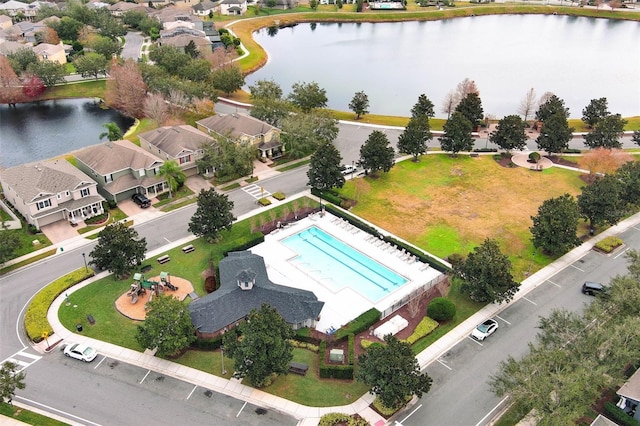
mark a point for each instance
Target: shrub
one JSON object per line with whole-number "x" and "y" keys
{"x": 608, "y": 244}
{"x": 278, "y": 196}
{"x": 366, "y": 344}
{"x": 426, "y": 326}
{"x": 334, "y": 419}
{"x": 264, "y": 201}
{"x": 441, "y": 309}
{"x": 618, "y": 415}
{"x": 534, "y": 156}
{"x": 359, "y": 324}
{"x": 386, "y": 411}
{"x": 246, "y": 242}
{"x": 208, "y": 344}
{"x": 333, "y": 371}
{"x": 304, "y": 345}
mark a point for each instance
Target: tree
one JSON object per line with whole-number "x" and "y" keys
{"x": 47, "y": 35}
{"x": 229, "y": 157}
{"x": 303, "y": 133}
{"x": 486, "y": 274}
{"x": 10, "y": 86}
{"x": 324, "y": 170}
{"x": 527, "y": 104}
{"x": 636, "y": 136}
{"x": 32, "y": 86}
{"x": 555, "y": 134}
{"x": 415, "y": 137}
{"x": 214, "y": 214}
{"x": 21, "y": 59}
{"x": 106, "y": 47}
{"x": 67, "y": 28}
{"x": 50, "y": 72}
{"x": 9, "y": 243}
{"x": 126, "y": 90}
{"x": 169, "y": 58}
{"x": 308, "y": 96}
{"x": 554, "y": 227}
{"x": 166, "y": 327}
{"x": 595, "y": 111}
{"x": 196, "y": 70}
{"x": 265, "y": 89}
{"x": 449, "y": 104}
{"x": 227, "y": 79}
{"x": 465, "y": 88}
{"x": 457, "y": 134}
{"x": 471, "y": 108}
{"x": 271, "y": 110}
{"x": 606, "y": 132}
{"x": 441, "y": 309}
{"x": 10, "y": 380}
{"x": 376, "y": 153}
{"x": 510, "y": 133}
{"x": 603, "y": 160}
{"x": 423, "y": 107}
{"x": 156, "y": 108}
{"x": 91, "y": 64}
{"x": 172, "y": 174}
{"x": 113, "y": 132}
{"x": 359, "y": 104}
{"x": 601, "y": 202}
{"x": 629, "y": 177}
{"x": 118, "y": 249}
{"x": 551, "y": 106}
{"x": 191, "y": 49}
{"x": 260, "y": 346}
{"x": 393, "y": 373}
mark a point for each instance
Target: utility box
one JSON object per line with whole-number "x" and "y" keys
{"x": 336, "y": 355}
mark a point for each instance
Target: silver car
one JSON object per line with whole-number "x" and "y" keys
{"x": 484, "y": 330}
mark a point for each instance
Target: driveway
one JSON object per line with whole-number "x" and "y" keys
{"x": 196, "y": 183}
{"x": 60, "y": 231}
{"x": 131, "y": 209}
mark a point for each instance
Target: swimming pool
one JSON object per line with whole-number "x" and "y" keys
{"x": 338, "y": 265}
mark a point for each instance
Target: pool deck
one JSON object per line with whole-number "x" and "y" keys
{"x": 343, "y": 305}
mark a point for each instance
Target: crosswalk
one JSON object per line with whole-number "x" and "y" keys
{"x": 256, "y": 191}
{"x": 22, "y": 359}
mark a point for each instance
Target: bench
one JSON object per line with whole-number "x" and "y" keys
{"x": 164, "y": 259}
{"x": 473, "y": 154}
{"x": 298, "y": 368}
{"x": 188, "y": 249}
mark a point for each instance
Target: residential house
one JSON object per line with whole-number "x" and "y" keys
{"x": 18, "y": 9}
{"x": 7, "y": 47}
{"x": 212, "y": 34}
{"x": 51, "y": 52}
{"x": 5, "y": 22}
{"x": 120, "y": 8}
{"x": 181, "y": 41}
{"x": 233, "y": 7}
{"x": 122, "y": 169}
{"x": 244, "y": 286}
{"x": 629, "y": 395}
{"x": 244, "y": 128}
{"x": 283, "y": 4}
{"x": 51, "y": 191}
{"x": 204, "y": 8}
{"x": 183, "y": 144}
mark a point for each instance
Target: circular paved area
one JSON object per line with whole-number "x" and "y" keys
{"x": 137, "y": 312}
{"x": 521, "y": 160}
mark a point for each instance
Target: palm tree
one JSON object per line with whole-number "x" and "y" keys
{"x": 113, "y": 132}
{"x": 173, "y": 174}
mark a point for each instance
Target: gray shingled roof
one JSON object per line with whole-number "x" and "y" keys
{"x": 112, "y": 157}
{"x": 631, "y": 389}
{"x": 176, "y": 139}
{"x": 229, "y": 304}
{"x": 236, "y": 125}
{"x": 46, "y": 178}
{"x": 204, "y": 5}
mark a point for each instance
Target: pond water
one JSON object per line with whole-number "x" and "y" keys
{"x": 43, "y": 130}
{"x": 578, "y": 59}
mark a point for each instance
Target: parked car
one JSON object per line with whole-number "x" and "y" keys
{"x": 141, "y": 200}
{"x": 347, "y": 169}
{"x": 484, "y": 330}
{"x": 79, "y": 351}
{"x": 593, "y": 289}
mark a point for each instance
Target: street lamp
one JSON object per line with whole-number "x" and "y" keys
{"x": 84, "y": 257}
{"x": 353, "y": 168}
{"x": 222, "y": 357}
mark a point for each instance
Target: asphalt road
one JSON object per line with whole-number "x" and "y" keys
{"x": 132, "y": 45}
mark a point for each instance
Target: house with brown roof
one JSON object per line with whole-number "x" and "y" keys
{"x": 122, "y": 169}
{"x": 51, "y": 52}
{"x": 184, "y": 144}
{"x": 180, "y": 41}
{"x": 244, "y": 128}
{"x": 244, "y": 286}
{"x": 50, "y": 191}
{"x": 120, "y": 8}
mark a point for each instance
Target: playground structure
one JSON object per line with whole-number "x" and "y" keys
{"x": 140, "y": 287}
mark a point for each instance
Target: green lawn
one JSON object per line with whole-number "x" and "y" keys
{"x": 26, "y": 416}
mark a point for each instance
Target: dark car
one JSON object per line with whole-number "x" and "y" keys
{"x": 141, "y": 200}
{"x": 593, "y": 289}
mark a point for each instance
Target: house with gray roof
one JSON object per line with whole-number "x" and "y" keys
{"x": 244, "y": 286}
{"x": 204, "y": 8}
{"x": 244, "y": 128}
{"x": 184, "y": 144}
{"x": 629, "y": 395}
{"x": 233, "y": 7}
{"x": 50, "y": 191}
{"x": 122, "y": 169}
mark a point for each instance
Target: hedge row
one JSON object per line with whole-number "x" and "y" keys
{"x": 426, "y": 326}
{"x": 333, "y": 419}
{"x": 208, "y": 344}
{"x": 35, "y": 319}
{"x": 352, "y": 220}
{"x": 618, "y": 415}
{"x": 303, "y": 335}
{"x": 331, "y": 371}
{"x": 245, "y": 243}
{"x": 422, "y": 256}
{"x": 359, "y": 324}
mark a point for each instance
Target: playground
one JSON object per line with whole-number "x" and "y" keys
{"x": 133, "y": 303}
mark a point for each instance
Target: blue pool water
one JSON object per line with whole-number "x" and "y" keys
{"x": 338, "y": 265}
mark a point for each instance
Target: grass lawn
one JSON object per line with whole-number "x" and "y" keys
{"x": 115, "y": 215}
{"x": 453, "y": 204}
{"x": 26, "y": 416}
{"x": 87, "y": 89}
{"x": 26, "y": 241}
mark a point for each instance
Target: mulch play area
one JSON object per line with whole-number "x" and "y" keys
{"x": 137, "y": 311}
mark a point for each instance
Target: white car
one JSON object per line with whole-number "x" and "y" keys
{"x": 347, "y": 169}
{"x": 82, "y": 352}
{"x": 484, "y": 330}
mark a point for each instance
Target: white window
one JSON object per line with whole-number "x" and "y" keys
{"x": 142, "y": 172}
{"x": 185, "y": 159}
{"x": 84, "y": 192}
{"x": 66, "y": 193}
{"x": 58, "y": 196}
{"x": 43, "y": 204}
{"x": 108, "y": 178}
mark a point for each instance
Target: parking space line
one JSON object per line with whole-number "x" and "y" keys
{"x": 444, "y": 365}
{"x": 474, "y": 340}
{"x": 244, "y": 405}
{"x": 51, "y": 409}
{"x": 574, "y": 266}
{"x": 145, "y": 376}
{"x": 530, "y": 301}
{"x": 491, "y": 412}
{"x": 557, "y": 285}
{"x": 499, "y": 317}
{"x": 636, "y": 228}
{"x": 621, "y": 253}
{"x": 168, "y": 240}
{"x": 103, "y": 358}
{"x": 192, "y": 391}
{"x": 408, "y": 415}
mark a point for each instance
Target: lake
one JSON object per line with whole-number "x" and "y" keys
{"x": 576, "y": 58}
{"x": 42, "y": 130}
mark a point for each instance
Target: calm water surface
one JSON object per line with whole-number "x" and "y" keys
{"x": 38, "y": 131}
{"x": 578, "y": 59}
